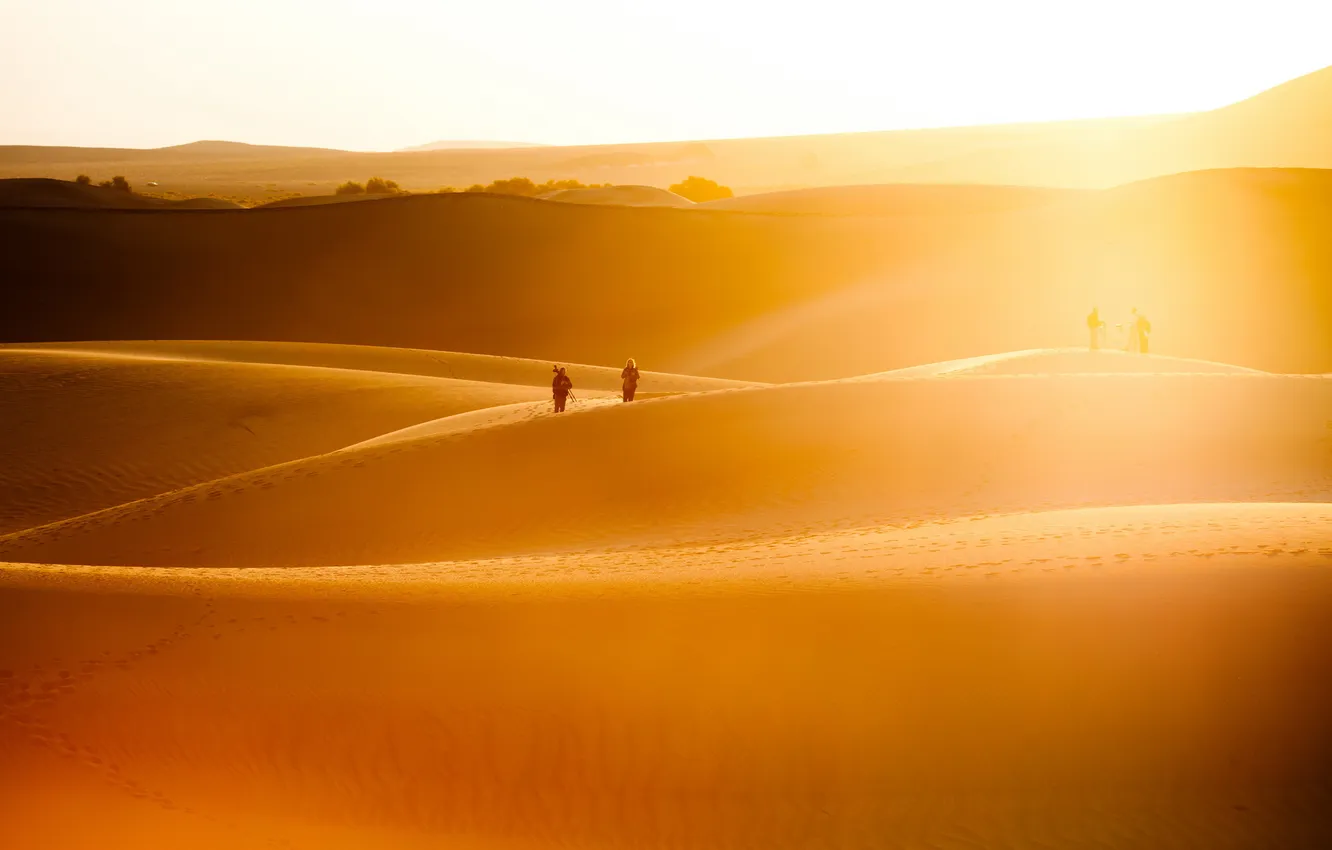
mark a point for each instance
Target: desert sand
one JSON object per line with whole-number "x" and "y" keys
{"x": 625, "y": 196}
{"x": 295, "y": 553}
{"x": 1227, "y": 264}
{"x": 316, "y": 596}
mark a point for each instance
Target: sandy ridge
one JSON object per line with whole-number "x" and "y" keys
{"x": 755, "y": 463}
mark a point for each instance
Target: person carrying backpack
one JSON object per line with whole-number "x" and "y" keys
{"x": 561, "y": 388}
{"x": 630, "y": 377}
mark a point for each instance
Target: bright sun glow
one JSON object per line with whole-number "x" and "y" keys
{"x": 383, "y": 75}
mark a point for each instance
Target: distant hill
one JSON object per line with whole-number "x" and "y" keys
{"x": 210, "y": 148}
{"x": 451, "y": 145}
{"x": 624, "y": 196}
{"x": 1231, "y": 265}
{"x": 1287, "y": 126}
{"x": 39, "y": 192}
{"x": 18, "y": 156}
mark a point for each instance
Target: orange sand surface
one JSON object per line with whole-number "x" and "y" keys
{"x": 308, "y": 596}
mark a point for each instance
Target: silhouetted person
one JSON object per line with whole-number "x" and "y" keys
{"x": 560, "y": 388}
{"x": 630, "y": 377}
{"x": 1094, "y": 327}
{"x": 1139, "y": 329}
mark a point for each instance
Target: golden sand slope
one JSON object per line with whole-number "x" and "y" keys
{"x": 1066, "y": 361}
{"x": 625, "y": 196}
{"x": 85, "y": 430}
{"x": 1228, "y": 265}
{"x": 735, "y": 465}
{"x": 405, "y": 361}
{"x": 91, "y": 425}
{"x": 1128, "y": 677}
{"x": 900, "y": 199}
{"x": 1037, "y": 599}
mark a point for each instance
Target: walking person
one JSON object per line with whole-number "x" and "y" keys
{"x": 1095, "y": 327}
{"x": 1139, "y": 330}
{"x": 630, "y": 378}
{"x": 561, "y": 388}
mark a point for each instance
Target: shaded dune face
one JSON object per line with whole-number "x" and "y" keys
{"x": 1227, "y": 264}
{"x": 1144, "y": 701}
{"x": 737, "y": 464}
{"x": 84, "y": 431}
{"x": 89, "y": 426}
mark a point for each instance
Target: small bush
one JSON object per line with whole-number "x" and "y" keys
{"x": 527, "y": 188}
{"x": 700, "y": 189}
{"x": 380, "y": 186}
{"x": 513, "y": 186}
{"x": 83, "y": 180}
{"x": 120, "y": 184}
{"x": 350, "y": 188}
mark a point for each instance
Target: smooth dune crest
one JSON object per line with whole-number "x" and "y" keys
{"x": 85, "y": 430}
{"x": 895, "y": 199}
{"x": 627, "y": 196}
{"x": 455, "y": 365}
{"x": 1067, "y": 361}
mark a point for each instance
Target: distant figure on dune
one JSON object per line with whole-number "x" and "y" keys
{"x": 630, "y": 377}
{"x": 561, "y": 388}
{"x": 1139, "y": 328}
{"x": 1095, "y": 327}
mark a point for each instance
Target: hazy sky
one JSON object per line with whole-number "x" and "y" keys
{"x": 384, "y": 74}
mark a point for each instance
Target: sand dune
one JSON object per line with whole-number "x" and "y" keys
{"x": 1199, "y": 253}
{"x": 320, "y": 200}
{"x": 404, "y": 361}
{"x": 92, "y": 425}
{"x": 734, "y": 465}
{"x": 87, "y": 430}
{"x": 1039, "y": 598}
{"x": 895, "y": 199}
{"x": 625, "y": 196}
{"x": 1138, "y": 677}
{"x": 1226, "y": 264}
{"x": 1066, "y": 361}
{"x": 42, "y": 193}
{"x": 912, "y": 593}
